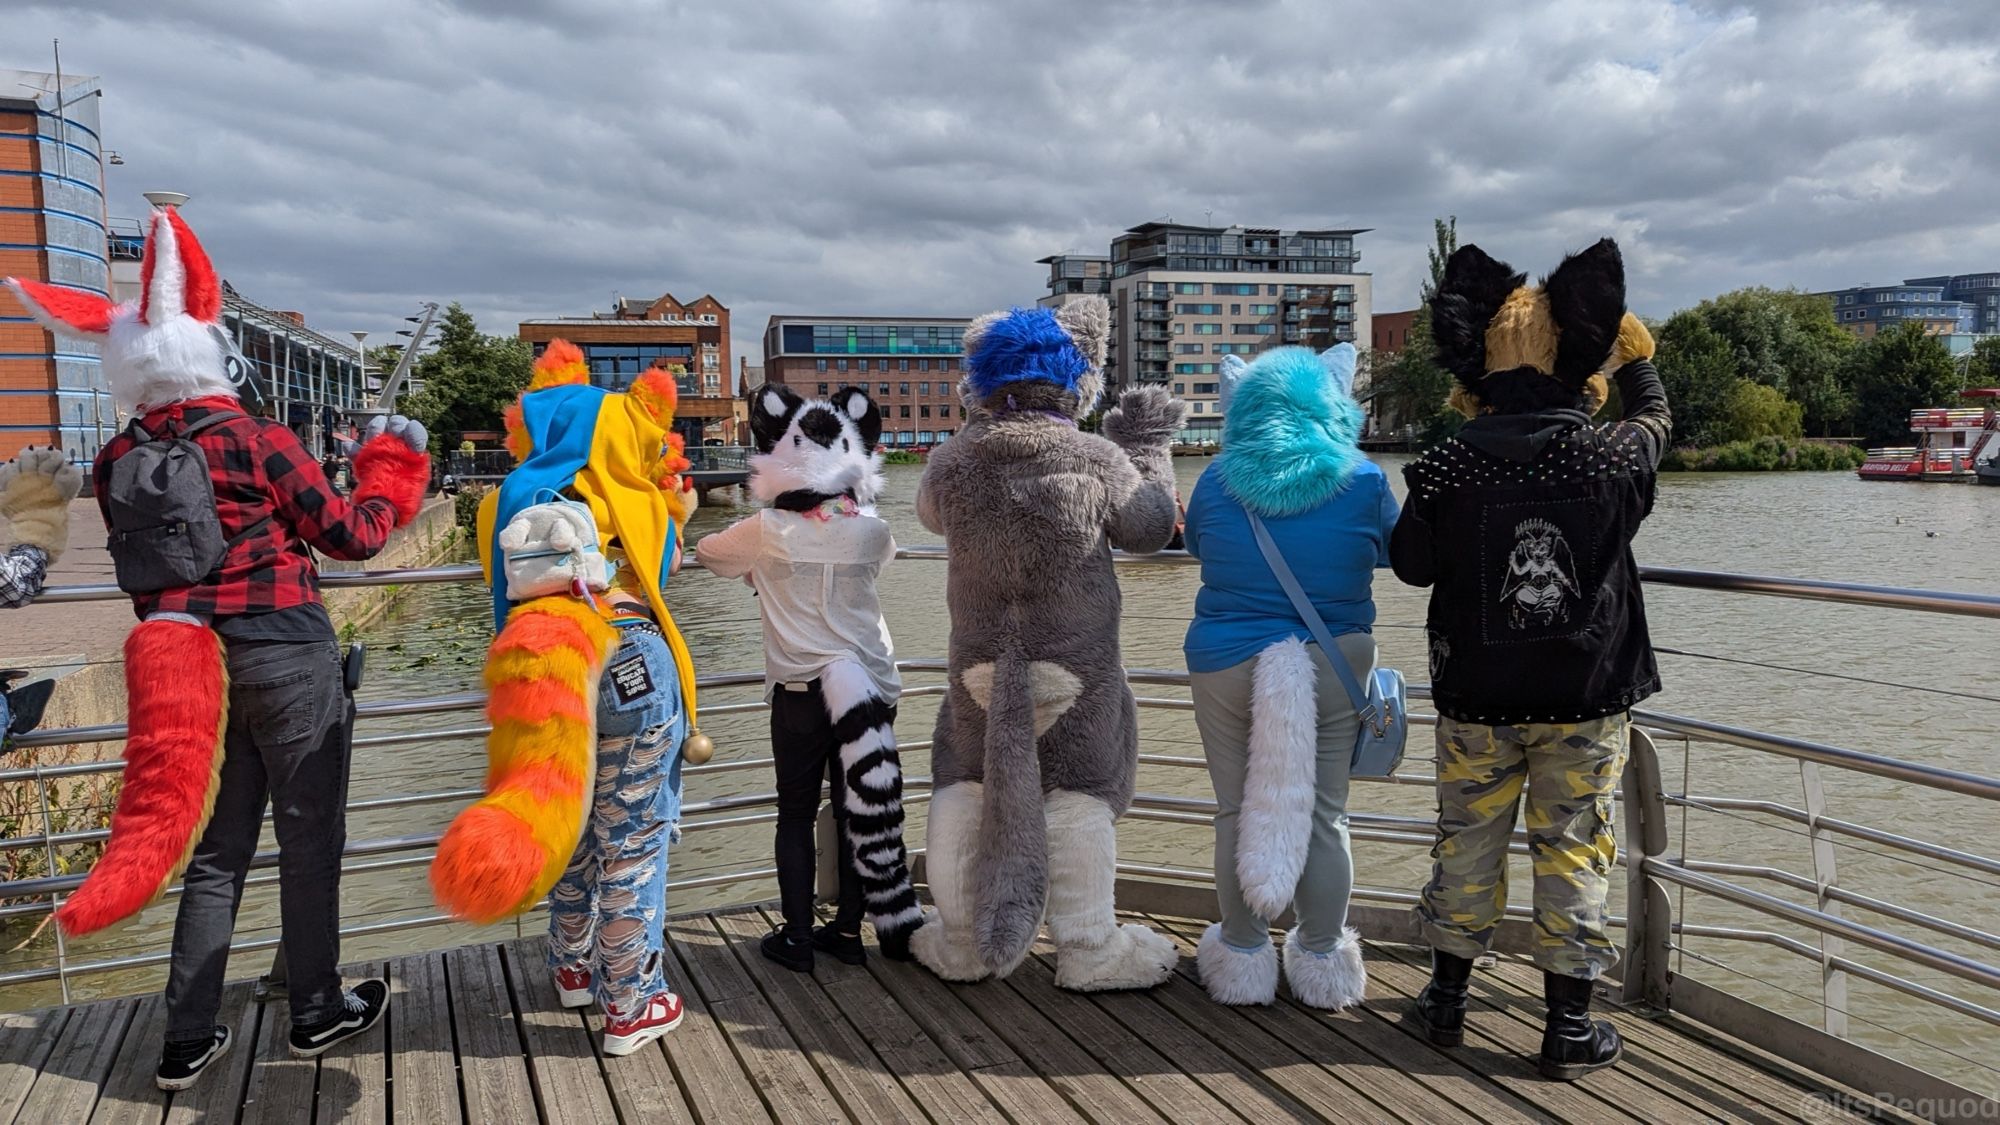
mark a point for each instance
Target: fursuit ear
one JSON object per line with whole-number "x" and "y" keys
{"x": 1474, "y": 286}
{"x": 855, "y": 403}
{"x": 1088, "y": 322}
{"x": 1587, "y": 301}
{"x": 1340, "y": 361}
{"x": 1233, "y": 369}
{"x": 176, "y": 278}
{"x": 72, "y": 312}
{"x": 771, "y": 410}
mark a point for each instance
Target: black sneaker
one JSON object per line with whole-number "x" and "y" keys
{"x": 790, "y": 952}
{"x": 360, "y": 1008}
{"x": 181, "y": 1064}
{"x": 845, "y": 948}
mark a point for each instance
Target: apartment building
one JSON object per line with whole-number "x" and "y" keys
{"x": 635, "y": 335}
{"x": 910, "y": 365}
{"x": 1865, "y": 310}
{"x": 1183, "y": 297}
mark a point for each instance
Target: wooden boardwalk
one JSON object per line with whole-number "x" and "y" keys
{"x": 475, "y": 1035}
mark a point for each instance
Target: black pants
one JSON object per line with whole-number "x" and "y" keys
{"x": 287, "y": 741}
{"x": 803, "y": 746}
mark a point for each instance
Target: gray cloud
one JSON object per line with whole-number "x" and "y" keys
{"x": 530, "y": 158}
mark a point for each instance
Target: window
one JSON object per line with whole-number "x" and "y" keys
{"x": 924, "y": 437}
{"x": 1187, "y": 349}
{"x": 1234, "y": 290}
{"x": 923, "y": 365}
{"x": 902, "y": 388}
{"x": 1177, "y": 329}
{"x": 1208, "y": 329}
{"x": 840, "y": 365}
{"x": 1234, "y": 349}
{"x": 923, "y": 388}
{"x": 1195, "y": 369}
{"x": 1197, "y": 407}
{"x": 1847, "y": 300}
{"x": 822, "y": 389}
{"x": 1236, "y": 310}
{"x": 1205, "y": 388}
{"x": 950, "y": 364}
{"x": 924, "y": 411}
{"x": 1270, "y": 291}
{"x": 1263, "y": 310}
{"x": 861, "y": 365}
{"x": 1253, "y": 329}
{"x": 1187, "y": 287}
{"x": 944, "y": 411}
{"x": 905, "y": 437}
{"x": 1198, "y": 310}
{"x": 881, "y": 390}
{"x": 902, "y": 365}
{"x": 820, "y": 364}
{"x": 903, "y": 411}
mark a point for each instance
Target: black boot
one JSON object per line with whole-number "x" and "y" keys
{"x": 1574, "y": 1044}
{"x": 1440, "y": 1007}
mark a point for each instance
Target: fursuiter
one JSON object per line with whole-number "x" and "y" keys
{"x": 1037, "y": 739}
{"x": 818, "y": 468}
{"x": 165, "y": 355}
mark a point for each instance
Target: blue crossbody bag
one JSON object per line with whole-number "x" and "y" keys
{"x": 1378, "y": 746}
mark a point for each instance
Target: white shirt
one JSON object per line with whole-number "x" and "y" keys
{"x": 815, "y": 583}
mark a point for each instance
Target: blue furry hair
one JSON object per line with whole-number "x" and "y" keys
{"x": 1290, "y": 440}
{"x": 1024, "y": 345}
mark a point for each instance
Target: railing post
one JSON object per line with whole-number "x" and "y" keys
{"x": 1649, "y": 916}
{"x": 1826, "y": 875}
{"x": 49, "y": 850}
{"x": 826, "y": 883}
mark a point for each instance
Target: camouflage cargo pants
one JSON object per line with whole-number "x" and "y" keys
{"x": 1569, "y": 771}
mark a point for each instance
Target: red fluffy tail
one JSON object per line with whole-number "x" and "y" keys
{"x": 177, "y": 696}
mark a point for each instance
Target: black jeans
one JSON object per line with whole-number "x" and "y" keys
{"x": 287, "y": 741}
{"x": 806, "y": 752}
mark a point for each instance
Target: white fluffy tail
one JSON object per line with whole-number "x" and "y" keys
{"x": 864, "y": 725}
{"x": 1274, "y": 831}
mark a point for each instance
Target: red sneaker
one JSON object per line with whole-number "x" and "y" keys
{"x": 573, "y": 987}
{"x": 660, "y": 1015}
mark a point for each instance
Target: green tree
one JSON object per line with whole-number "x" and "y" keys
{"x": 468, "y": 379}
{"x": 1898, "y": 371}
{"x": 1753, "y": 410}
{"x": 1698, "y": 367}
{"x": 1982, "y": 367}
{"x": 1445, "y": 232}
{"x": 1787, "y": 340}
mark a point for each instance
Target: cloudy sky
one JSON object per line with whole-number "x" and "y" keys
{"x": 532, "y": 157}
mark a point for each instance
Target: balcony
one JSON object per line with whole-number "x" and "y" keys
{"x": 1153, "y": 336}
{"x": 1153, "y": 355}
{"x": 1154, "y": 315}
{"x": 1154, "y": 292}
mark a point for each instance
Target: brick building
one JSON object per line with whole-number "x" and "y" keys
{"x": 52, "y": 228}
{"x": 635, "y": 335}
{"x": 910, "y": 364}
{"x": 1391, "y": 331}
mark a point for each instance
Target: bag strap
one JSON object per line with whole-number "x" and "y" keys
{"x": 1363, "y": 705}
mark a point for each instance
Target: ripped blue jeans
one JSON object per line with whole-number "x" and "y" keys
{"x": 608, "y": 913}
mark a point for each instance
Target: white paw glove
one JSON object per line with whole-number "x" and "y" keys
{"x": 412, "y": 433}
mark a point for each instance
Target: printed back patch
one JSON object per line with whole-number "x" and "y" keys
{"x": 1540, "y": 573}
{"x": 631, "y": 679}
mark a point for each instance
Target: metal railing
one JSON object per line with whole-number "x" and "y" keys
{"x": 1653, "y": 933}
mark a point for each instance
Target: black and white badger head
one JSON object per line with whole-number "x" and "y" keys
{"x": 823, "y": 447}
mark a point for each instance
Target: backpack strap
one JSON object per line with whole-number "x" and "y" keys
{"x": 1309, "y": 615}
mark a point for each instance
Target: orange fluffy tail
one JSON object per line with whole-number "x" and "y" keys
{"x": 502, "y": 855}
{"x": 177, "y": 696}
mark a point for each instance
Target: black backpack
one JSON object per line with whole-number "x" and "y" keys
{"x": 165, "y": 531}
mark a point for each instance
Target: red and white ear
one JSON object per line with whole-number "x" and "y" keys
{"x": 176, "y": 278}
{"x": 62, "y": 309}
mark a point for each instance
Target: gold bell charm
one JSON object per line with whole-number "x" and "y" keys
{"x": 697, "y": 748}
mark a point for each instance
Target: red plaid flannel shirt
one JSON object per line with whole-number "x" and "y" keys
{"x": 259, "y": 469}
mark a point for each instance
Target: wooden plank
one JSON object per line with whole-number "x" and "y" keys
{"x": 711, "y": 969}
{"x": 129, "y": 1096}
{"x": 280, "y": 1086}
{"x": 66, "y": 1090}
{"x": 933, "y": 1081}
{"x": 1504, "y": 1050}
{"x": 354, "y": 1076}
{"x": 1150, "y": 1075}
{"x": 709, "y": 1074}
{"x": 642, "y": 1084}
{"x": 1445, "y": 1078}
{"x": 561, "y": 1056}
{"x": 1188, "y": 1044}
{"x": 844, "y": 1059}
{"x": 784, "y": 1077}
{"x": 1718, "y": 1072}
{"x": 1667, "y": 1084}
{"x": 219, "y": 1094}
{"x": 425, "y": 1085}
{"x": 26, "y": 1038}
{"x": 492, "y": 1068}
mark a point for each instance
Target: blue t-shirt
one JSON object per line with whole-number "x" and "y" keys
{"x": 1333, "y": 550}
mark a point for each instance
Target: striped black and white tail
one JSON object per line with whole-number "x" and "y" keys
{"x": 864, "y": 724}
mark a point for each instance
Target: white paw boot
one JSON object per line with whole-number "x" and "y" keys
{"x": 1093, "y": 952}
{"x": 1333, "y": 980}
{"x": 943, "y": 944}
{"x": 1236, "y": 976}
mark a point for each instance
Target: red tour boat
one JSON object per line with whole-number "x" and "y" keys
{"x": 1951, "y": 444}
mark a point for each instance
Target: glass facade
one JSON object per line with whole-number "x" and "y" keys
{"x": 873, "y": 339}
{"x": 614, "y": 366}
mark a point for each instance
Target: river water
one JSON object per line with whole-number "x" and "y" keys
{"x": 1844, "y": 675}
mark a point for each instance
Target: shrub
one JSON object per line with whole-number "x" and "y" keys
{"x": 465, "y": 506}
{"x": 1765, "y": 454}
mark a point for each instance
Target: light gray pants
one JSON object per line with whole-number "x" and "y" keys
{"x": 1222, "y": 713}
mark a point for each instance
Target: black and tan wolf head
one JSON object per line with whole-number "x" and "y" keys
{"x": 1516, "y": 347}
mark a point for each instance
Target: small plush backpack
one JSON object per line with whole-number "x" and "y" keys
{"x": 552, "y": 547}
